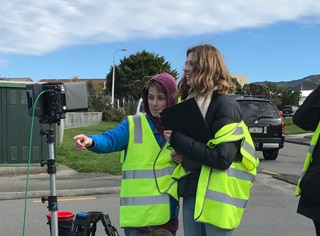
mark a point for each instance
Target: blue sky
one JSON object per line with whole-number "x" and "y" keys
{"x": 274, "y": 40}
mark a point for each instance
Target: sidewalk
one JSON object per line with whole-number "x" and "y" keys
{"x": 68, "y": 182}
{"x": 298, "y": 138}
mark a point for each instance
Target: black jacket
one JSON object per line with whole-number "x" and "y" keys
{"x": 307, "y": 117}
{"x": 222, "y": 110}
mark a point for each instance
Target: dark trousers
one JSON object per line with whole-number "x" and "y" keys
{"x": 317, "y": 225}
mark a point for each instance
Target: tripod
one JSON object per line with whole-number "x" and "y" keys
{"x": 51, "y": 170}
{"x": 85, "y": 224}
{"x": 52, "y": 106}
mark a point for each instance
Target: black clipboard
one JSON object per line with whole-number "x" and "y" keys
{"x": 186, "y": 118}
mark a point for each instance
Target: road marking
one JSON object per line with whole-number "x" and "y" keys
{"x": 270, "y": 172}
{"x": 71, "y": 199}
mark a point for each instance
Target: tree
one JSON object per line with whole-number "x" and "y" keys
{"x": 133, "y": 71}
{"x": 255, "y": 89}
{"x": 237, "y": 84}
{"x": 290, "y": 97}
{"x": 90, "y": 86}
{"x": 75, "y": 78}
{"x": 278, "y": 95}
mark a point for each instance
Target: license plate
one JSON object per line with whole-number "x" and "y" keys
{"x": 256, "y": 130}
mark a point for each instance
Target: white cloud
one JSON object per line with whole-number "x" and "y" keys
{"x": 40, "y": 26}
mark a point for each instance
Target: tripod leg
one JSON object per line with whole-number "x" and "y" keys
{"x": 108, "y": 228}
{"x": 51, "y": 169}
{"x": 94, "y": 228}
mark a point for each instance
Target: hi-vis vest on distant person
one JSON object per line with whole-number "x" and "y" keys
{"x": 146, "y": 171}
{"x": 222, "y": 195}
{"x": 308, "y": 159}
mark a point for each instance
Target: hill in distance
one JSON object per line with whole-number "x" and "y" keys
{"x": 310, "y": 82}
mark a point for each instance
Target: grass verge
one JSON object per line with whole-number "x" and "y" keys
{"x": 87, "y": 161}
{"x": 293, "y": 129}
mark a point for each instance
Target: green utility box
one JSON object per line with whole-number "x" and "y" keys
{"x": 15, "y": 127}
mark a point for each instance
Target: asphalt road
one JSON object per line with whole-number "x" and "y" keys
{"x": 271, "y": 210}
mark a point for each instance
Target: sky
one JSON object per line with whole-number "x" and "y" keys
{"x": 265, "y": 40}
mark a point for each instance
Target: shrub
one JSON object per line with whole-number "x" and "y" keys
{"x": 287, "y": 120}
{"x": 114, "y": 114}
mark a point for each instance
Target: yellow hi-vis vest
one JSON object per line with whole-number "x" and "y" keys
{"x": 308, "y": 160}
{"x": 223, "y": 195}
{"x": 146, "y": 169}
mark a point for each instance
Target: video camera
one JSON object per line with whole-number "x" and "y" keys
{"x": 56, "y": 99}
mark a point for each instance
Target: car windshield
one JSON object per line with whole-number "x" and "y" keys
{"x": 258, "y": 109}
{"x": 287, "y": 108}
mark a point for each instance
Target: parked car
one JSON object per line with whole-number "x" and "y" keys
{"x": 139, "y": 107}
{"x": 289, "y": 110}
{"x": 264, "y": 123}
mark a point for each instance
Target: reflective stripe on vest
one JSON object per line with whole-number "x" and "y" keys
{"x": 227, "y": 191}
{"x": 138, "y": 201}
{"x": 142, "y": 178}
{"x": 308, "y": 159}
{"x": 132, "y": 174}
{"x": 236, "y": 132}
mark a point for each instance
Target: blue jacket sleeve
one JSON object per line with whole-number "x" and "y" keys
{"x": 113, "y": 140}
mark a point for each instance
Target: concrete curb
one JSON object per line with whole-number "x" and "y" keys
{"x": 60, "y": 193}
{"x": 21, "y": 170}
{"x": 306, "y": 142}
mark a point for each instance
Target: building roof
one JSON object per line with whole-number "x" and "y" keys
{"x": 99, "y": 80}
{"x": 17, "y": 79}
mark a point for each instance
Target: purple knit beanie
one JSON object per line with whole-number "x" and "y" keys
{"x": 169, "y": 85}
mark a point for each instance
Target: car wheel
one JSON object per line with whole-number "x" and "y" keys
{"x": 270, "y": 154}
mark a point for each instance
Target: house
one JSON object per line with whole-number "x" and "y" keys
{"x": 242, "y": 79}
{"x": 304, "y": 94}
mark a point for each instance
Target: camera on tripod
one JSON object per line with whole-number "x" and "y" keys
{"x": 50, "y": 102}
{"x": 56, "y": 99}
